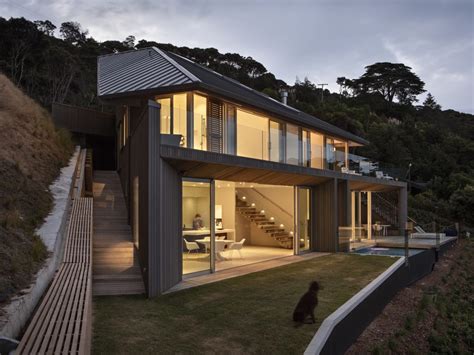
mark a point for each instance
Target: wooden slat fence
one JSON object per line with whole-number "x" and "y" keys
{"x": 62, "y": 322}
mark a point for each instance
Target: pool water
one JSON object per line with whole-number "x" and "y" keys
{"x": 386, "y": 251}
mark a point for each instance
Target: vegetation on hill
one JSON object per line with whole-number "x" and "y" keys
{"x": 31, "y": 154}
{"x": 379, "y": 106}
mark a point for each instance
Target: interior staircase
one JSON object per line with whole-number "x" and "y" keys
{"x": 270, "y": 227}
{"x": 115, "y": 263}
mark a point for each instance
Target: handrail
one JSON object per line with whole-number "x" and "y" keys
{"x": 272, "y": 202}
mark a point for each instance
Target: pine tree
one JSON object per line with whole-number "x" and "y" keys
{"x": 430, "y": 102}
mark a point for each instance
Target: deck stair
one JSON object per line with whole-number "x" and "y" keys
{"x": 115, "y": 268}
{"x": 269, "y": 227}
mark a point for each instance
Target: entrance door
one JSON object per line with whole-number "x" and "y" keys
{"x": 303, "y": 219}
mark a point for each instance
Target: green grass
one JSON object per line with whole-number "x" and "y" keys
{"x": 247, "y": 314}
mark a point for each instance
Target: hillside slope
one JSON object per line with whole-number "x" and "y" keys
{"x": 31, "y": 155}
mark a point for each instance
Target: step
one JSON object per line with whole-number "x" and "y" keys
{"x": 116, "y": 269}
{"x": 115, "y": 277}
{"x": 117, "y": 288}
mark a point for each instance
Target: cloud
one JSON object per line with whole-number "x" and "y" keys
{"x": 319, "y": 39}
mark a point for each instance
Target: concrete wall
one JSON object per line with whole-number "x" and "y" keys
{"x": 16, "y": 314}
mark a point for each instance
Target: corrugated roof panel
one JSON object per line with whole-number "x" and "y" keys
{"x": 143, "y": 69}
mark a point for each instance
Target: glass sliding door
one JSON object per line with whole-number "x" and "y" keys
{"x": 197, "y": 228}
{"x": 330, "y": 153}
{"x": 292, "y": 144}
{"x": 252, "y": 135}
{"x": 317, "y": 150}
{"x": 303, "y": 218}
{"x": 165, "y": 115}
{"x": 341, "y": 150}
{"x": 306, "y": 147}
{"x": 276, "y": 144}
{"x": 200, "y": 122}
{"x": 180, "y": 117}
{"x": 230, "y": 130}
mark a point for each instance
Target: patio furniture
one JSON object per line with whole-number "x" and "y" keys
{"x": 191, "y": 245}
{"x": 421, "y": 234}
{"x": 236, "y": 246}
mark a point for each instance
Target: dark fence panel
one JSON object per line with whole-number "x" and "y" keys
{"x": 83, "y": 120}
{"x": 348, "y": 330}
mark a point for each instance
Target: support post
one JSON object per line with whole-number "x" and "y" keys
{"x": 402, "y": 208}
{"x": 369, "y": 215}
{"x": 406, "y": 247}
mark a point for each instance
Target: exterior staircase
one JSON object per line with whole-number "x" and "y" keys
{"x": 115, "y": 263}
{"x": 271, "y": 228}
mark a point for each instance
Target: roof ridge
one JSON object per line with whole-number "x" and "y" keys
{"x": 190, "y": 76}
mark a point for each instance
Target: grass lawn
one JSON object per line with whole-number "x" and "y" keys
{"x": 247, "y": 314}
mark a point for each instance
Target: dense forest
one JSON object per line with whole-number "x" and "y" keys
{"x": 59, "y": 65}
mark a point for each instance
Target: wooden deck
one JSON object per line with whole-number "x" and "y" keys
{"x": 207, "y": 278}
{"x": 62, "y": 322}
{"x": 116, "y": 270}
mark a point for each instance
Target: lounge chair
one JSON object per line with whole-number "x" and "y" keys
{"x": 421, "y": 234}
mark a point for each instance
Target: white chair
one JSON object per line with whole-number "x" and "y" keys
{"x": 191, "y": 245}
{"x": 236, "y": 246}
{"x": 221, "y": 237}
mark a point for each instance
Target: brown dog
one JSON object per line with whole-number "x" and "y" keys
{"x": 307, "y": 304}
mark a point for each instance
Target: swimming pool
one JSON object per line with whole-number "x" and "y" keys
{"x": 386, "y": 251}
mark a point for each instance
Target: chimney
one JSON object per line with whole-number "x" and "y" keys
{"x": 284, "y": 96}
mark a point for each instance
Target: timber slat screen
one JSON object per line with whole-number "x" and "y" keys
{"x": 83, "y": 120}
{"x": 62, "y": 322}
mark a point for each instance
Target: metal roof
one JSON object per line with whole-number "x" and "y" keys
{"x": 143, "y": 70}
{"x": 137, "y": 70}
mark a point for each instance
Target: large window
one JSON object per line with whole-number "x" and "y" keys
{"x": 292, "y": 144}
{"x": 277, "y": 142}
{"x": 180, "y": 117}
{"x": 200, "y": 122}
{"x": 317, "y": 150}
{"x": 165, "y": 115}
{"x": 252, "y": 135}
{"x": 306, "y": 147}
{"x": 230, "y": 130}
{"x": 303, "y": 221}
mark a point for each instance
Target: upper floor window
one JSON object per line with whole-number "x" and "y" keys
{"x": 173, "y": 116}
{"x": 292, "y": 144}
{"x": 252, "y": 135}
{"x": 211, "y": 124}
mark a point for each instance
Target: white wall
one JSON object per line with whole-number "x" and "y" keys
{"x": 225, "y": 196}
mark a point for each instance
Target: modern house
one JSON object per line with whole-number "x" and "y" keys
{"x": 216, "y": 175}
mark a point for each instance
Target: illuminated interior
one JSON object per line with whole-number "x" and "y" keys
{"x": 253, "y": 223}
{"x": 247, "y": 133}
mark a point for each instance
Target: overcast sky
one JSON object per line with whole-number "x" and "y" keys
{"x": 320, "y": 40}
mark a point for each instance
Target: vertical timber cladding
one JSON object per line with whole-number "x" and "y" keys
{"x": 164, "y": 213}
{"x": 325, "y": 216}
{"x": 215, "y": 126}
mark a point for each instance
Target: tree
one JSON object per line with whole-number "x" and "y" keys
{"x": 47, "y": 27}
{"x": 391, "y": 80}
{"x": 431, "y": 103}
{"x": 72, "y": 33}
{"x": 129, "y": 42}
